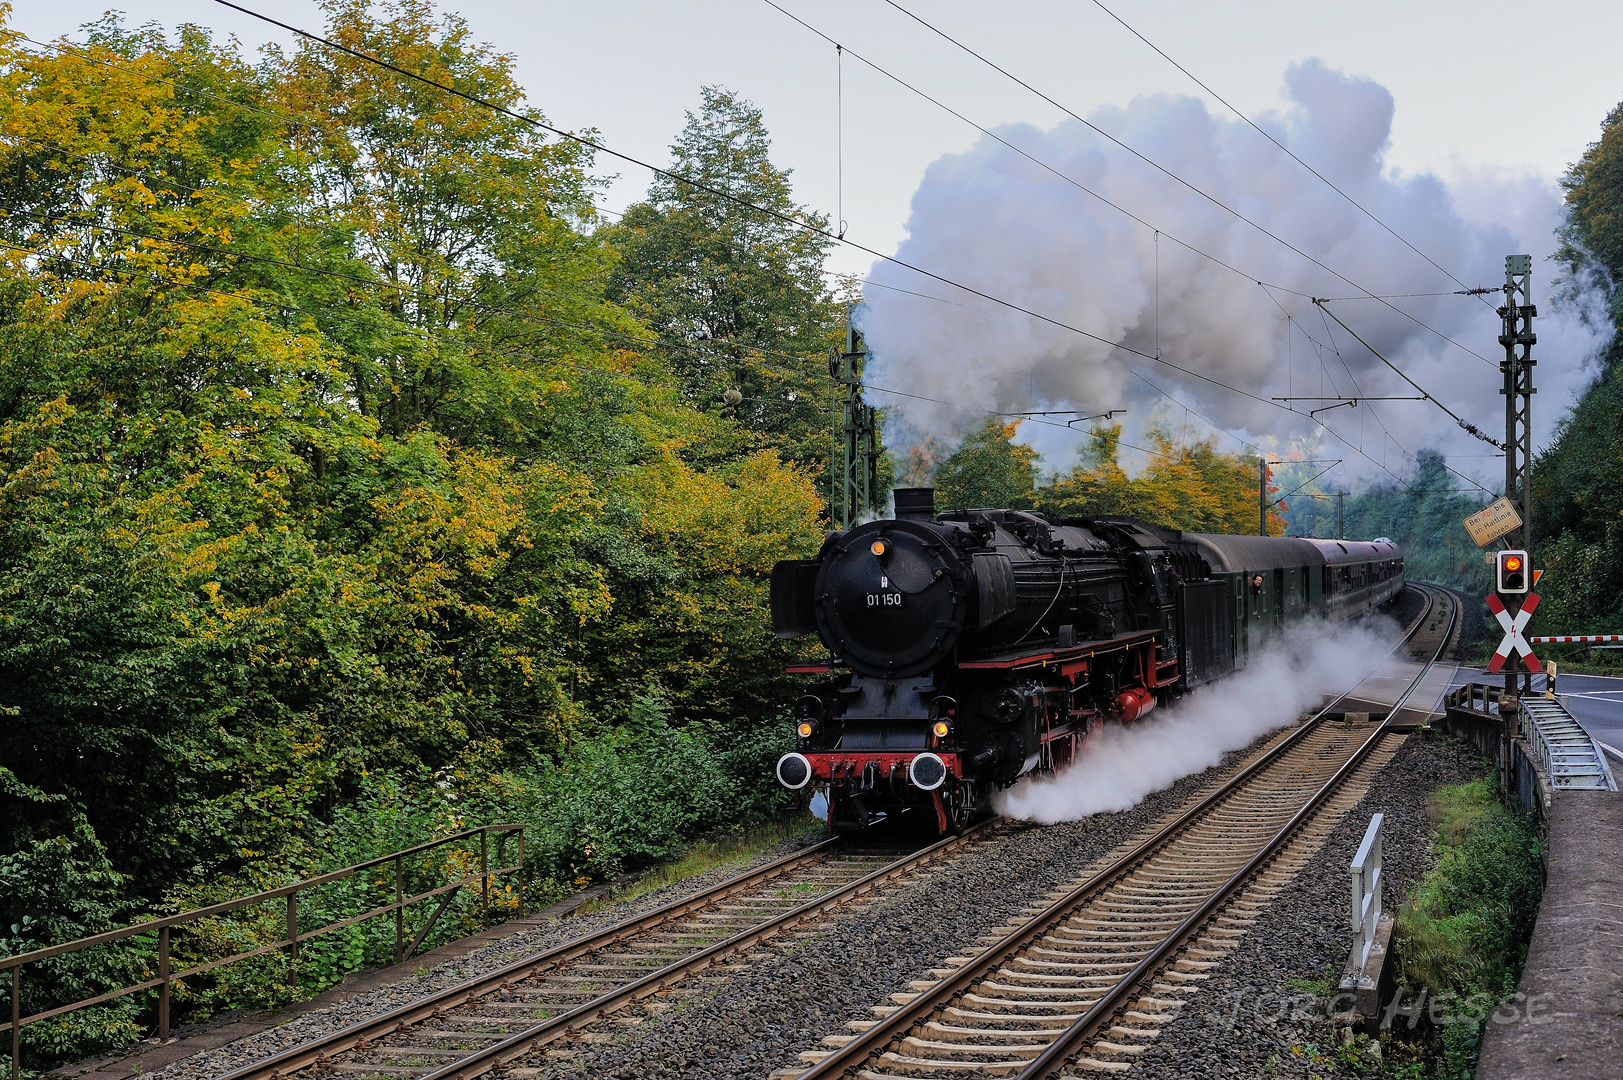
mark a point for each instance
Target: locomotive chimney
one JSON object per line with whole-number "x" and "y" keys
{"x": 915, "y": 504}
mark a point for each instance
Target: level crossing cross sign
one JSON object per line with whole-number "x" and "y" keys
{"x": 1514, "y": 641}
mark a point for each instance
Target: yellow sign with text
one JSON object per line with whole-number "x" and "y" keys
{"x": 1493, "y": 521}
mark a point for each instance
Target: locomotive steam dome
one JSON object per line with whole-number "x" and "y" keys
{"x": 891, "y": 597}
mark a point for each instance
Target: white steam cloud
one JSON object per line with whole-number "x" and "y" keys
{"x": 994, "y": 220}
{"x": 1124, "y": 763}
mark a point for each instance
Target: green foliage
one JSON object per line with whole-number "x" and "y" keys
{"x": 1426, "y": 515}
{"x": 988, "y": 469}
{"x": 1185, "y": 485}
{"x": 59, "y": 888}
{"x": 1577, "y": 480}
{"x": 1189, "y": 486}
{"x": 1465, "y": 929}
{"x": 1594, "y": 187}
{"x": 634, "y": 794}
{"x": 337, "y": 512}
{"x": 744, "y": 286}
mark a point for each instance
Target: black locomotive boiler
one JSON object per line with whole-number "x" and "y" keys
{"x": 971, "y": 648}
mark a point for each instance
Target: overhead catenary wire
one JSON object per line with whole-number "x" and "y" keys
{"x": 1470, "y": 428}
{"x": 1169, "y": 174}
{"x": 486, "y": 308}
{"x": 788, "y": 219}
{"x": 728, "y": 196}
{"x": 1386, "y": 432}
{"x": 1041, "y": 164}
{"x": 1467, "y": 290}
{"x": 593, "y": 144}
{"x": 777, "y": 215}
{"x": 1134, "y": 217}
{"x": 282, "y": 305}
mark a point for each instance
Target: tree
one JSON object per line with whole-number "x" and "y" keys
{"x": 322, "y": 453}
{"x": 743, "y": 287}
{"x": 1594, "y": 187}
{"x": 1578, "y": 480}
{"x": 1191, "y": 487}
{"x": 487, "y": 319}
{"x": 988, "y": 469}
{"x": 1425, "y": 514}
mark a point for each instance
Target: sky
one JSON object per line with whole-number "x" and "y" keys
{"x": 1495, "y": 115}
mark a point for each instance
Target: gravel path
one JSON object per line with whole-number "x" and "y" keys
{"x": 552, "y": 933}
{"x": 798, "y": 989}
{"x": 1258, "y": 1015}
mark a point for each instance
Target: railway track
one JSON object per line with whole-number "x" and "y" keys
{"x": 493, "y": 1020}
{"x": 485, "y": 1022}
{"x": 1088, "y": 981}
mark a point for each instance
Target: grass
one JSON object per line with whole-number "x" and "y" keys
{"x": 732, "y": 847}
{"x": 1465, "y": 929}
{"x": 1319, "y": 985}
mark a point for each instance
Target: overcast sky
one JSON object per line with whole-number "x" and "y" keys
{"x": 1492, "y": 97}
{"x": 1477, "y": 84}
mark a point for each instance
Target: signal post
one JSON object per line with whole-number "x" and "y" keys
{"x": 860, "y": 476}
{"x": 1513, "y": 565}
{"x": 1516, "y": 335}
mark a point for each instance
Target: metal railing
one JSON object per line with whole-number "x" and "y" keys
{"x": 1366, "y": 893}
{"x": 1562, "y": 748}
{"x": 290, "y": 937}
{"x": 1475, "y": 697}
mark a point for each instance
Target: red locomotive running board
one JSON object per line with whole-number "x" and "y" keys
{"x": 1060, "y": 656}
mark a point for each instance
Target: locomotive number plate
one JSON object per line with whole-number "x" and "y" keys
{"x": 884, "y": 599}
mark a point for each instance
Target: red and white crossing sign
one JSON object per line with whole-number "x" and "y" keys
{"x": 1514, "y": 641}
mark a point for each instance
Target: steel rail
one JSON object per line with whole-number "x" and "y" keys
{"x": 866, "y": 1044}
{"x": 306, "y": 1054}
{"x": 498, "y": 1054}
{"x": 323, "y": 1049}
{"x": 1053, "y": 1060}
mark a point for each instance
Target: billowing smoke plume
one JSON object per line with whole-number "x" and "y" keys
{"x": 1127, "y": 762}
{"x": 994, "y": 220}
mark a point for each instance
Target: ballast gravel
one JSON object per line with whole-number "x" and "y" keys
{"x": 795, "y": 989}
{"x": 1264, "y": 1011}
{"x": 798, "y": 989}
{"x": 548, "y": 935}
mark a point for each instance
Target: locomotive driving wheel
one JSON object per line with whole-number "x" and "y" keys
{"x": 960, "y": 805}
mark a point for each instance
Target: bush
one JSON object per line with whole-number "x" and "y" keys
{"x": 637, "y": 793}
{"x": 1466, "y": 927}
{"x": 58, "y": 889}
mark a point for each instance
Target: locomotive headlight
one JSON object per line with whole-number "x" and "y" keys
{"x": 807, "y": 729}
{"x": 927, "y": 771}
{"x": 879, "y": 547}
{"x": 941, "y": 728}
{"x": 794, "y": 771}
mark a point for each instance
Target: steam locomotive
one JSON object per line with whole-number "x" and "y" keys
{"x": 974, "y": 647}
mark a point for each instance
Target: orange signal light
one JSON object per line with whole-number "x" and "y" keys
{"x": 1513, "y": 563}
